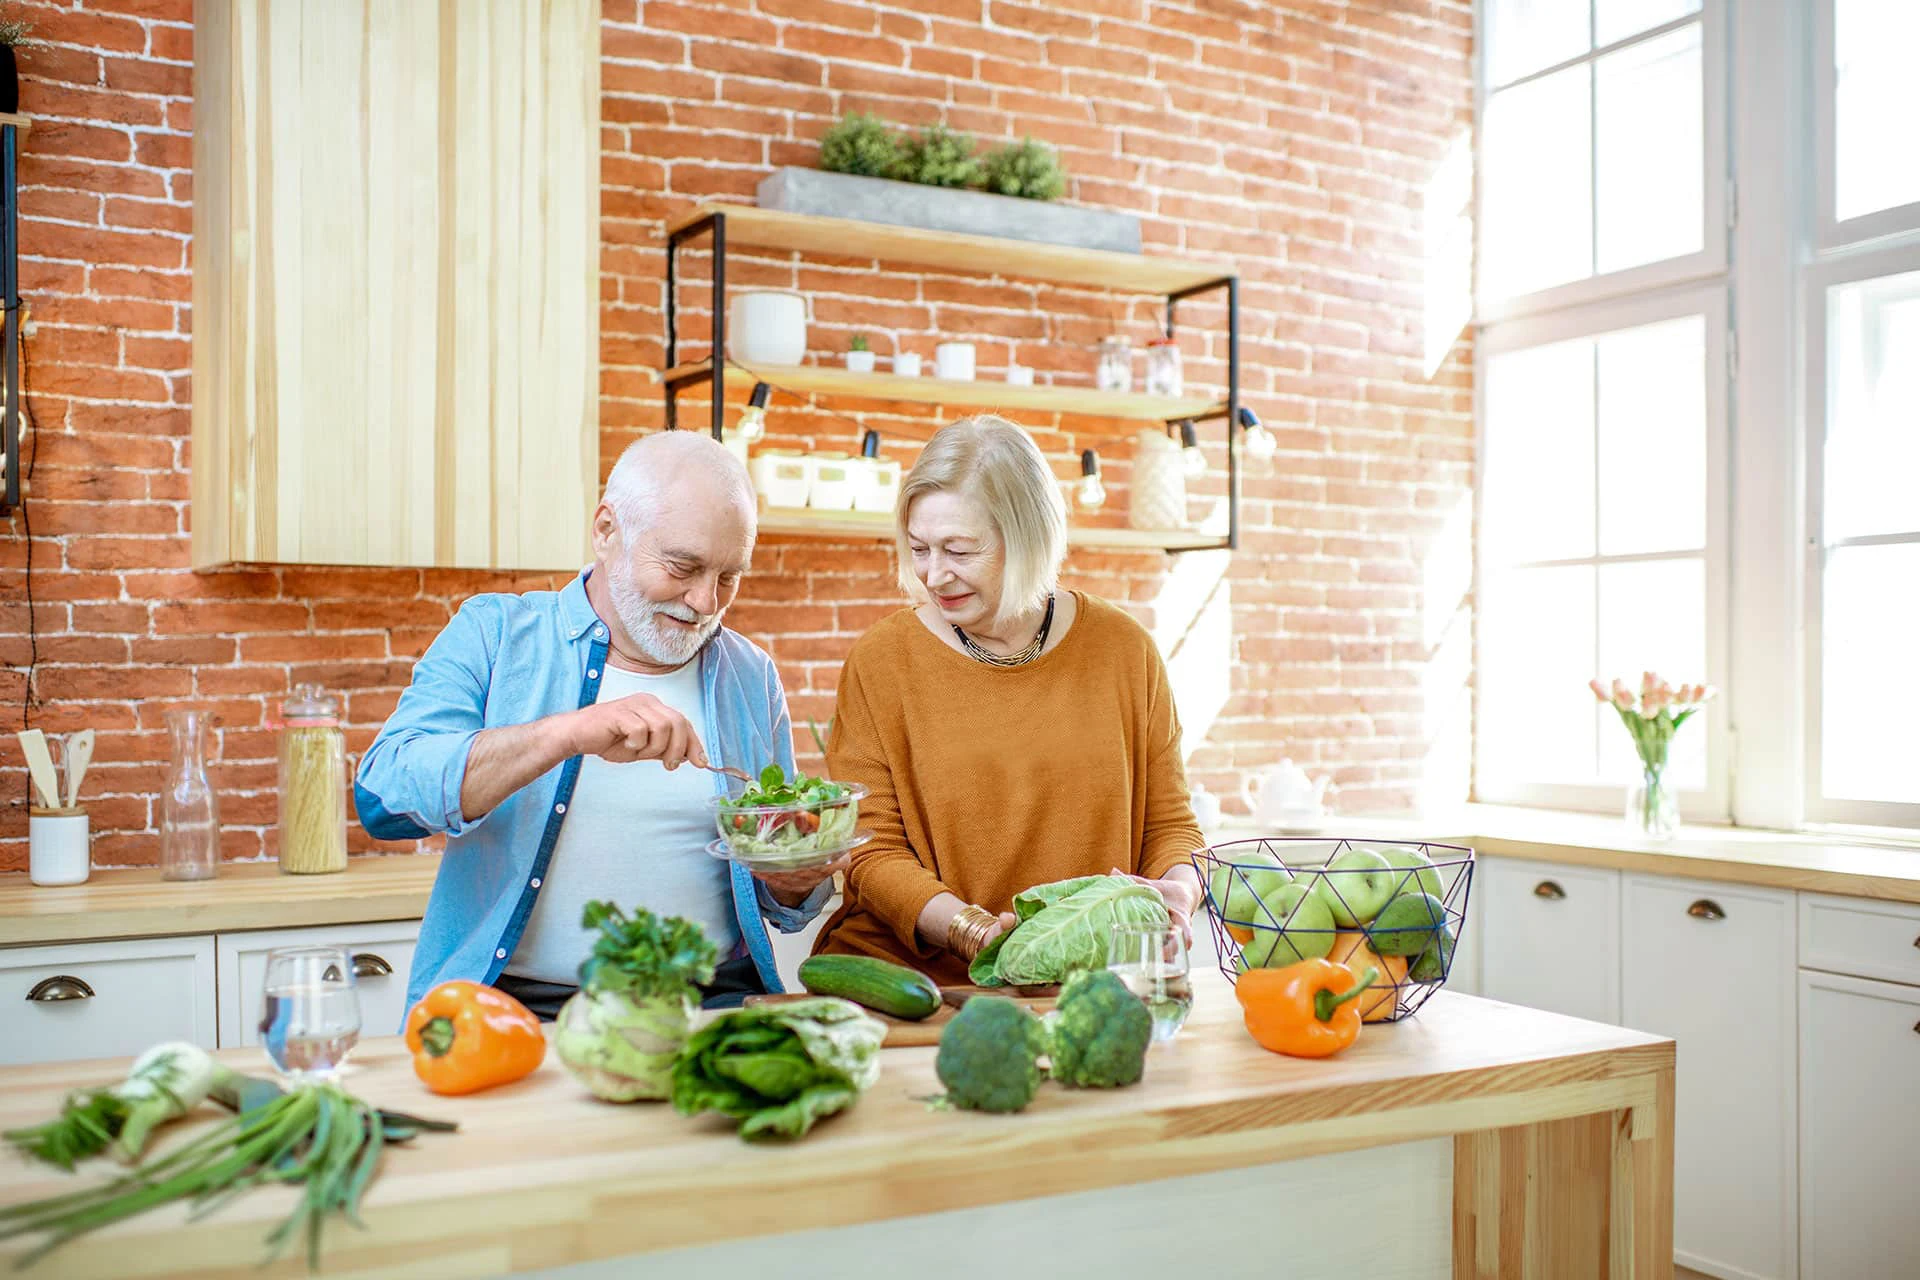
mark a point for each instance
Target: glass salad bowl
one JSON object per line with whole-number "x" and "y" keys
{"x": 777, "y": 822}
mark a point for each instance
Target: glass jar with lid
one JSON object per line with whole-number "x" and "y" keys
{"x": 1114, "y": 370}
{"x": 1163, "y": 368}
{"x": 313, "y": 783}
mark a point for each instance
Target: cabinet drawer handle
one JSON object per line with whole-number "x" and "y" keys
{"x": 60, "y": 987}
{"x": 1706, "y": 909}
{"x": 1916, "y": 942}
{"x": 1550, "y": 890}
{"x": 368, "y": 965}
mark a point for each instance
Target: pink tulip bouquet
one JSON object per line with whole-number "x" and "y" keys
{"x": 1652, "y": 718}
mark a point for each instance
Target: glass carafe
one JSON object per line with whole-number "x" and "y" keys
{"x": 189, "y": 811}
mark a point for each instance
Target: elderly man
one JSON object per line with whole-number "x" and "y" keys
{"x": 545, "y": 734}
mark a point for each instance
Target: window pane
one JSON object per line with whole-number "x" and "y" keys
{"x": 1653, "y": 437}
{"x": 1876, "y": 100}
{"x": 1537, "y": 474}
{"x": 1537, "y": 193}
{"x": 1653, "y": 617}
{"x": 1872, "y": 456}
{"x": 1650, "y": 151}
{"x": 1536, "y": 656}
{"x": 1870, "y": 678}
{"x": 1525, "y": 35}
{"x": 1617, "y": 19}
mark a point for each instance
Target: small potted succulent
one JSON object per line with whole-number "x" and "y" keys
{"x": 16, "y": 32}
{"x": 859, "y": 355}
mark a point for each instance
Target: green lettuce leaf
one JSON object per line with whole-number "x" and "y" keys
{"x": 778, "y": 1068}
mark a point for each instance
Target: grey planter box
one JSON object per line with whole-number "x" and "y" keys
{"x": 908, "y": 204}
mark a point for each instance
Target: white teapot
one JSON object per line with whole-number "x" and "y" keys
{"x": 1284, "y": 795}
{"x": 1206, "y": 806}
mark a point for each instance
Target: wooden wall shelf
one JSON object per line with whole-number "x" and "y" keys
{"x": 850, "y": 526}
{"x": 750, "y": 227}
{"x": 979, "y": 394}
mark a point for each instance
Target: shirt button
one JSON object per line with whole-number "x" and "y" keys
{"x": 559, "y": 808}
{"x": 599, "y": 633}
{"x": 500, "y": 954}
{"x": 535, "y": 882}
{"x": 593, "y": 675}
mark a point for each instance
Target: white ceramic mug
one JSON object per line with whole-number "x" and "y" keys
{"x": 57, "y": 846}
{"x": 953, "y": 361}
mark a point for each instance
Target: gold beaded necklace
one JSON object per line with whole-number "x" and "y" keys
{"x": 1019, "y": 659}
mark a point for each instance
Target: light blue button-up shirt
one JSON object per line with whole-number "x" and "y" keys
{"x": 509, "y": 660}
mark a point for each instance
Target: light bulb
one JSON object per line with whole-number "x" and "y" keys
{"x": 1089, "y": 494}
{"x": 752, "y": 424}
{"x": 1191, "y": 458}
{"x": 1260, "y": 441}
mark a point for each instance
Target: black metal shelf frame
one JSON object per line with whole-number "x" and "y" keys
{"x": 10, "y": 327}
{"x": 715, "y": 225}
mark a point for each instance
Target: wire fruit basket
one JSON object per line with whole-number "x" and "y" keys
{"x": 1396, "y": 905}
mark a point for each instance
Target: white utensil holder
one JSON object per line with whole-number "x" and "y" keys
{"x": 58, "y": 846}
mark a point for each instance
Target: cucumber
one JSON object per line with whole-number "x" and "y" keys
{"x": 877, "y": 984}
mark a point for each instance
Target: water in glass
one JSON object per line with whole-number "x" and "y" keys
{"x": 1152, "y": 963}
{"x": 312, "y": 1015}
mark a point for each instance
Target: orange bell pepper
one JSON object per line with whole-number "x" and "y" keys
{"x": 466, "y": 1036}
{"x": 1305, "y": 1010}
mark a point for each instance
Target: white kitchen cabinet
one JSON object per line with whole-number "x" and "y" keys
{"x": 1859, "y": 1128}
{"x": 105, "y": 999}
{"x": 1463, "y": 975}
{"x": 382, "y": 953}
{"x": 1550, "y": 936}
{"x": 1864, "y": 938}
{"x": 1713, "y": 966}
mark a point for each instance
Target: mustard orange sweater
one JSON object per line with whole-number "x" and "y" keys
{"x": 986, "y": 781}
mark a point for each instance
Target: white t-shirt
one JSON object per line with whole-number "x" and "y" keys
{"x": 634, "y": 834}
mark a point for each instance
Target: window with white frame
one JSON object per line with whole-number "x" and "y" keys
{"x": 1601, "y": 152}
{"x": 1602, "y": 388}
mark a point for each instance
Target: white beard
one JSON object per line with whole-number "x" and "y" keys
{"x": 641, "y": 618}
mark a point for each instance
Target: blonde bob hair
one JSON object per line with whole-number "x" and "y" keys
{"x": 998, "y": 465}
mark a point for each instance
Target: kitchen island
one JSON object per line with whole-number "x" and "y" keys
{"x": 1475, "y": 1139}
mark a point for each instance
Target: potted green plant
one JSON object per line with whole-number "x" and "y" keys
{"x": 859, "y": 355}
{"x": 16, "y": 32}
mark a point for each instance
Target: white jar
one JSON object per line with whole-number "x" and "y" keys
{"x": 906, "y": 364}
{"x": 953, "y": 361}
{"x": 880, "y": 488}
{"x": 1114, "y": 369}
{"x": 1019, "y": 375}
{"x": 832, "y": 486}
{"x": 1157, "y": 494}
{"x": 859, "y": 362}
{"x": 57, "y": 846}
{"x": 782, "y": 477}
{"x": 767, "y": 326}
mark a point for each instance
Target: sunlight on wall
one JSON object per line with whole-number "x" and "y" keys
{"x": 1193, "y": 628}
{"x": 1446, "y": 216}
{"x": 1446, "y": 682}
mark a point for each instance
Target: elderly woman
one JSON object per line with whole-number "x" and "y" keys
{"x": 1011, "y": 733}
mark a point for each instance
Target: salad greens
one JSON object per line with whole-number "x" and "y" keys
{"x": 1064, "y": 926}
{"x": 619, "y": 1033}
{"x": 777, "y": 1068}
{"x": 778, "y": 816}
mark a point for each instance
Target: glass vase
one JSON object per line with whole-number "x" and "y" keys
{"x": 1651, "y": 807}
{"x": 189, "y": 809}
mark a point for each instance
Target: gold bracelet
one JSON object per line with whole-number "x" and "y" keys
{"x": 967, "y": 932}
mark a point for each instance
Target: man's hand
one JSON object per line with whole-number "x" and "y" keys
{"x": 790, "y": 888}
{"x": 636, "y": 727}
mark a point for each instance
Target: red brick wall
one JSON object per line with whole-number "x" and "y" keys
{"x": 1294, "y": 138}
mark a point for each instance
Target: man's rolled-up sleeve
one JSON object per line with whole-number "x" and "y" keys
{"x": 409, "y": 782}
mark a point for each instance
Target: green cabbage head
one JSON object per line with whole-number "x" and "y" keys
{"x": 1065, "y": 926}
{"x": 621, "y": 1048}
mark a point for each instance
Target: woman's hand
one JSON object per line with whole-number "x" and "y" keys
{"x": 790, "y": 888}
{"x": 1180, "y": 892}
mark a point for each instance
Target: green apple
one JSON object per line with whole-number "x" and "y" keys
{"x": 1355, "y": 885}
{"x": 1414, "y": 872}
{"x": 1306, "y": 929}
{"x": 1240, "y": 886}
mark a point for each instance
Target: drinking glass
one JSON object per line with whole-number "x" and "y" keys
{"x": 1151, "y": 961}
{"x": 312, "y": 1014}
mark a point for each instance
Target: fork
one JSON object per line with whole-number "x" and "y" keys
{"x": 747, "y": 778}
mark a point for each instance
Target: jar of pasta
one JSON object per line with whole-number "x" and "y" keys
{"x": 313, "y": 783}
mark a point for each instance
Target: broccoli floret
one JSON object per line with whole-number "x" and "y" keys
{"x": 1099, "y": 1032}
{"x": 989, "y": 1057}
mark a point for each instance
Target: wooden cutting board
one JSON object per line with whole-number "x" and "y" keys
{"x": 902, "y": 1034}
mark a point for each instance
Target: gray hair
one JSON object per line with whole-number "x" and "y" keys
{"x": 999, "y": 465}
{"x": 651, "y": 465}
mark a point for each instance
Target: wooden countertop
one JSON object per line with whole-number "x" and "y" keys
{"x": 541, "y": 1174}
{"x": 1736, "y": 855}
{"x": 136, "y": 902}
